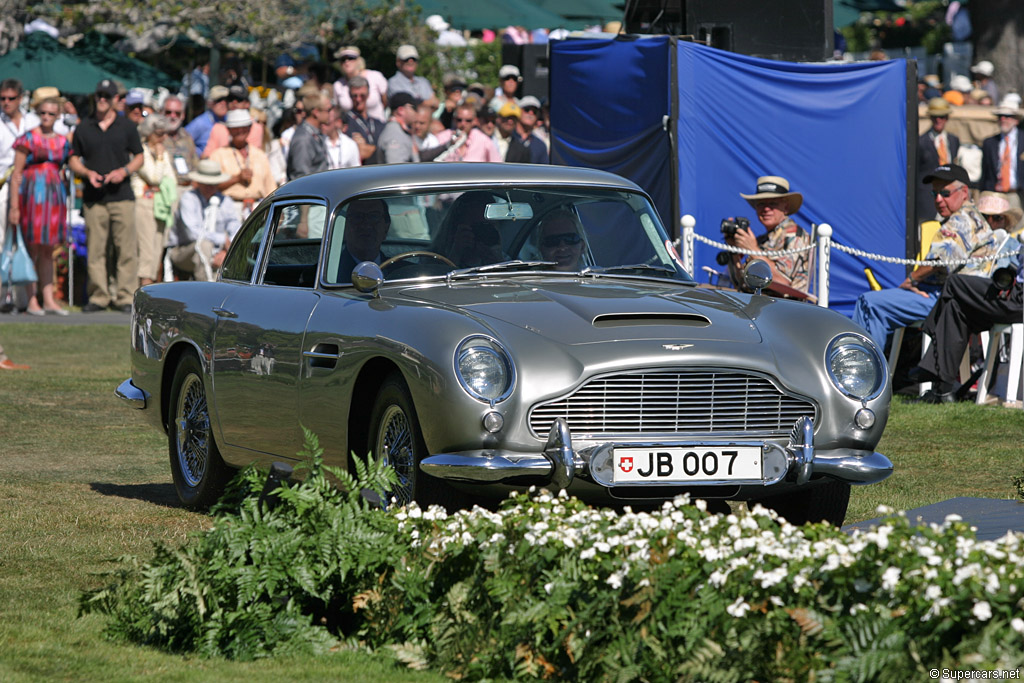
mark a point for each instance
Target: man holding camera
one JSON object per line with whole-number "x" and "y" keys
{"x": 773, "y": 203}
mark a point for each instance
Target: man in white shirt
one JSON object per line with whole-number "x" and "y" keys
{"x": 204, "y": 224}
{"x": 13, "y": 123}
{"x": 342, "y": 151}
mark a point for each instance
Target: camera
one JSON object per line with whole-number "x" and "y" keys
{"x": 1004, "y": 270}
{"x": 730, "y": 225}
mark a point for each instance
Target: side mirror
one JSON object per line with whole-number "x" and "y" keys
{"x": 757, "y": 275}
{"x": 367, "y": 277}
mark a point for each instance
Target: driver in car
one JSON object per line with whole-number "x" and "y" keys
{"x": 561, "y": 240}
{"x": 367, "y": 222}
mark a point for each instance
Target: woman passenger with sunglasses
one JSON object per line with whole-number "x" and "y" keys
{"x": 38, "y": 200}
{"x": 561, "y": 241}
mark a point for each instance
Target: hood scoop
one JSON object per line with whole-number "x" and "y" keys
{"x": 690, "y": 320}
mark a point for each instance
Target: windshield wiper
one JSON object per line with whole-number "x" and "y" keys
{"x": 602, "y": 270}
{"x": 504, "y": 265}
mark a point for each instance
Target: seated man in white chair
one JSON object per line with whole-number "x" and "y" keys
{"x": 204, "y": 224}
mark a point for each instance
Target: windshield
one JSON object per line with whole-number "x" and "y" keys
{"x": 590, "y": 231}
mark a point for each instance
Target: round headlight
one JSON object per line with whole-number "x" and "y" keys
{"x": 484, "y": 369}
{"x": 855, "y": 366}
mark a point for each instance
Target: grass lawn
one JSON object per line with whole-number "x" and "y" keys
{"x": 85, "y": 480}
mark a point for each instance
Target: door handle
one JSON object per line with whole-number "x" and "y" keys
{"x": 323, "y": 356}
{"x": 224, "y": 313}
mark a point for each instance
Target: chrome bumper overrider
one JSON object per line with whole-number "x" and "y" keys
{"x": 131, "y": 394}
{"x": 560, "y": 463}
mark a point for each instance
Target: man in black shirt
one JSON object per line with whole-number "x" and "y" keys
{"x": 106, "y": 151}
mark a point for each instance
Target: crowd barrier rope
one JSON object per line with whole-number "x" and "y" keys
{"x": 823, "y": 243}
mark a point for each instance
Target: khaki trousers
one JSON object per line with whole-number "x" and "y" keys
{"x": 113, "y": 252}
{"x": 188, "y": 258}
{"x": 152, "y": 234}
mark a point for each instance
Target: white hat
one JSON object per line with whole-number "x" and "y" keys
{"x": 961, "y": 83}
{"x": 775, "y": 187}
{"x": 208, "y": 173}
{"x": 529, "y": 101}
{"x": 1011, "y": 100}
{"x": 984, "y": 68}
{"x": 238, "y": 118}
{"x": 509, "y": 70}
{"x": 436, "y": 23}
{"x": 407, "y": 52}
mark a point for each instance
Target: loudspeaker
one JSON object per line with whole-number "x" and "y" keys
{"x": 533, "y": 64}
{"x": 790, "y": 30}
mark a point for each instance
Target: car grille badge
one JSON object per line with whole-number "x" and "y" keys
{"x": 676, "y": 347}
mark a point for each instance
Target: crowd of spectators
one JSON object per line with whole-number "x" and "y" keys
{"x": 155, "y": 184}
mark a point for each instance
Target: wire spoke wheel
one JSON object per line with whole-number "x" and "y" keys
{"x": 395, "y": 444}
{"x": 192, "y": 430}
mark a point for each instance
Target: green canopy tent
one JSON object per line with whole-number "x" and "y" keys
{"x": 846, "y": 12}
{"x": 589, "y": 12}
{"x": 40, "y": 60}
{"x": 473, "y": 14}
{"x": 97, "y": 49}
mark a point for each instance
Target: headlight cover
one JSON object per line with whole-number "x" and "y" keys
{"x": 484, "y": 369}
{"x": 855, "y": 366}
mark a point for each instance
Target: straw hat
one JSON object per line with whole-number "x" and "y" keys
{"x": 772, "y": 186}
{"x": 44, "y": 93}
{"x": 996, "y": 204}
{"x": 208, "y": 173}
{"x": 939, "y": 107}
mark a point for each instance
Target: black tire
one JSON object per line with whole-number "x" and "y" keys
{"x": 199, "y": 473}
{"x": 396, "y": 436}
{"x": 821, "y": 500}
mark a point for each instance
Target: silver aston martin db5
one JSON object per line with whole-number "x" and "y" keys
{"x": 488, "y": 327}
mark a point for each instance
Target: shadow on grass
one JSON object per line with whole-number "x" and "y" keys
{"x": 160, "y": 494}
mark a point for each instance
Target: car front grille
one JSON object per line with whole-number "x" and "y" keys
{"x": 703, "y": 403}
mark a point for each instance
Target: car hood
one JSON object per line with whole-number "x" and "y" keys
{"x": 572, "y": 312}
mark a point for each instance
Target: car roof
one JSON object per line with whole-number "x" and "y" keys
{"x": 340, "y": 184}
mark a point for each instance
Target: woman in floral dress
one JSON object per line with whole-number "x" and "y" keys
{"x": 38, "y": 200}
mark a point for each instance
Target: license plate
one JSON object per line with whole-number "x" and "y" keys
{"x": 687, "y": 465}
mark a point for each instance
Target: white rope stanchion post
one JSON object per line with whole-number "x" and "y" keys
{"x": 688, "y": 223}
{"x": 824, "y": 246}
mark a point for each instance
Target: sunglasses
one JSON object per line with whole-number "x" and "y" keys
{"x": 46, "y": 113}
{"x": 510, "y": 78}
{"x": 996, "y": 218}
{"x": 172, "y": 113}
{"x": 358, "y": 95}
{"x": 465, "y": 120}
{"x": 410, "y": 59}
{"x": 569, "y": 239}
{"x": 944, "y": 193}
{"x": 8, "y": 99}
{"x": 104, "y": 96}
{"x": 349, "y": 58}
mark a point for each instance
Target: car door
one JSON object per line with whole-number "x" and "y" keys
{"x": 258, "y": 342}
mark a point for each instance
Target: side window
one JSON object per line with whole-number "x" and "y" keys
{"x": 298, "y": 230}
{"x": 241, "y": 261}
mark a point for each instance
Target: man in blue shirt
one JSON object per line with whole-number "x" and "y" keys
{"x": 217, "y": 109}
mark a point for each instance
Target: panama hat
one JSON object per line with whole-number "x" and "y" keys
{"x": 996, "y": 204}
{"x": 772, "y": 186}
{"x": 939, "y": 107}
{"x": 208, "y": 173}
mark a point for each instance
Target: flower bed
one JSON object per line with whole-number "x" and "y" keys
{"x": 549, "y": 587}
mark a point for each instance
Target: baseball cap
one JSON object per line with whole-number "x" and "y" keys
{"x": 984, "y": 67}
{"x": 509, "y": 70}
{"x": 407, "y": 52}
{"x": 239, "y": 93}
{"x": 106, "y": 87}
{"x": 218, "y": 92}
{"x": 454, "y": 82}
{"x": 401, "y": 99}
{"x": 948, "y": 172}
{"x": 134, "y": 97}
{"x": 510, "y": 110}
{"x": 529, "y": 101}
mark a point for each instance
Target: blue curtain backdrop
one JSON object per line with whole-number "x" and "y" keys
{"x": 837, "y": 132}
{"x": 609, "y": 103}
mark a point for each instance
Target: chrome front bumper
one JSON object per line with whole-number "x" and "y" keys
{"x": 131, "y": 394}
{"x": 559, "y": 463}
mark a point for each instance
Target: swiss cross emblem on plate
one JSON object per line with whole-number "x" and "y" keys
{"x": 626, "y": 464}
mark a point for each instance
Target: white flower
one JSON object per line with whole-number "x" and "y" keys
{"x": 588, "y": 553}
{"x": 982, "y": 611}
{"x": 602, "y": 547}
{"x": 859, "y": 607}
{"x": 891, "y": 578}
{"x": 548, "y": 587}
{"x": 1017, "y": 624}
{"x": 615, "y": 580}
{"x": 933, "y": 592}
{"x": 738, "y": 608}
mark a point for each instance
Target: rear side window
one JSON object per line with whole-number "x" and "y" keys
{"x": 294, "y": 251}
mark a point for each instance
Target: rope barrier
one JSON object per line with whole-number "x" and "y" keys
{"x": 913, "y": 262}
{"x": 752, "y": 252}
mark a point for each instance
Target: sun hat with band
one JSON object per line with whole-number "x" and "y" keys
{"x": 238, "y": 118}
{"x": 208, "y": 173}
{"x": 772, "y": 187}
{"x": 995, "y": 204}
